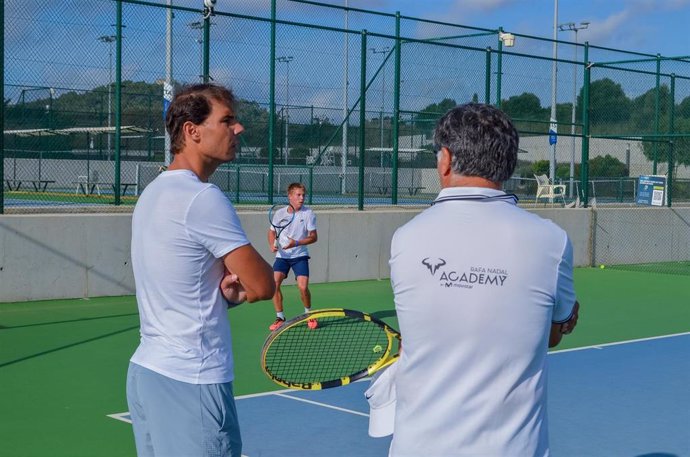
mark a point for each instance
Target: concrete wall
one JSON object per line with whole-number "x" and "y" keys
{"x": 87, "y": 255}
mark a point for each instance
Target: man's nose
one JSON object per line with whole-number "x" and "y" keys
{"x": 238, "y": 128}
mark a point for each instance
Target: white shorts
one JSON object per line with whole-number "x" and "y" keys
{"x": 173, "y": 418}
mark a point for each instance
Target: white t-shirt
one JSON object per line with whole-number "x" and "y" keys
{"x": 303, "y": 223}
{"x": 477, "y": 283}
{"x": 181, "y": 229}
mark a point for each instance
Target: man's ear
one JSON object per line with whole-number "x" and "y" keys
{"x": 191, "y": 131}
{"x": 444, "y": 162}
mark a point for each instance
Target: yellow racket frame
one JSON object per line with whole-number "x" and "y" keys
{"x": 386, "y": 357}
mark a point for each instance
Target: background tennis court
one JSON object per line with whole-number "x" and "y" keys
{"x": 63, "y": 365}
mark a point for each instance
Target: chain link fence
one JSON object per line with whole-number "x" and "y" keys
{"x": 352, "y": 113}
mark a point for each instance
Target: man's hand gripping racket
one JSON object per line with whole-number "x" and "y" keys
{"x": 280, "y": 216}
{"x": 346, "y": 346}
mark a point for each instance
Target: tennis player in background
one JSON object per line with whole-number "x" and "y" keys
{"x": 191, "y": 261}
{"x": 292, "y": 252}
{"x": 481, "y": 288}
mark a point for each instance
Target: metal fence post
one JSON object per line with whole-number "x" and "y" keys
{"x": 272, "y": 102}
{"x": 118, "y": 101}
{"x": 671, "y": 128}
{"x": 487, "y": 77}
{"x": 396, "y": 112}
{"x": 584, "y": 167}
{"x": 362, "y": 118}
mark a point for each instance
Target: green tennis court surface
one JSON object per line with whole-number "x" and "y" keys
{"x": 63, "y": 362}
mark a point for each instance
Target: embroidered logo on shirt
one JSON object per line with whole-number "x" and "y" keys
{"x": 433, "y": 264}
{"x": 467, "y": 279}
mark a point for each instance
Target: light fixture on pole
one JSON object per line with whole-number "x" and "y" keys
{"x": 384, "y": 50}
{"x": 286, "y": 60}
{"x": 508, "y": 39}
{"x": 110, "y": 39}
{"x": 571, "y": 26}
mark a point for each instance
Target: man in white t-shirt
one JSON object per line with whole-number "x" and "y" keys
{"x": 292, "y": 252}
{"x": 191, "y": 262}
{"x": 482, "y": 288}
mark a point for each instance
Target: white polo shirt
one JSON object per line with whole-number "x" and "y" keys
{"x": 477, "y": 283}
{"x": 181, "y": 228}
{"x": 303, "y": 223}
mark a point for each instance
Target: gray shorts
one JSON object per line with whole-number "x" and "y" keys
{"x": 173, "y": 418}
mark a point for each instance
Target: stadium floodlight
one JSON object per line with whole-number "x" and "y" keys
{"x": 572, "y": 27}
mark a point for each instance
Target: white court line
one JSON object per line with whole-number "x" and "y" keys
{"x": 325, "y": 405}
{"x": 617, "y": 343}
{"x": 120, "y": 417}
{"x": 282, "y": 393}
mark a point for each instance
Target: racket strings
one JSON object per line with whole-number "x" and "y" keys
{"x": 341, "y": 346}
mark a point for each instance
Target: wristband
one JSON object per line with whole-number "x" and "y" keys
{"x": 296, "y": 243}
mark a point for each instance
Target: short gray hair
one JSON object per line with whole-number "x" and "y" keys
{"x": 481, "y": 139}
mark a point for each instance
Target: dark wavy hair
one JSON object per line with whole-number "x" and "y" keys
{"x": 482, "y": 140}
{"x": 193, "y": 104}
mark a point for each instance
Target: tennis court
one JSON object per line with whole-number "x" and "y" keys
{"x": 63, "y": 365}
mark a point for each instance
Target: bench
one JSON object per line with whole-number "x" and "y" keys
{"x": 412, "y": 190}
{"x": 40, "y": 185}
{"x": 89, "y": 188}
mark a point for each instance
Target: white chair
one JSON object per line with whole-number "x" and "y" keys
{"x": 545, "y": 189}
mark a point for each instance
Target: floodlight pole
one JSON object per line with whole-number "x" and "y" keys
{"x": 553, "y": 127}
{"x": 384, "y": 50}
{"x": 198, "y": 25}
{"x": 109, "y": 39}
{"x": 168, "y": 91}
{"x": 573, "y": 27}
{"x": 286, "y": 60}
{"x": 343, "y": 153}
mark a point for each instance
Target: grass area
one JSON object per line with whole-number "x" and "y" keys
{"x": 63, "y": 362}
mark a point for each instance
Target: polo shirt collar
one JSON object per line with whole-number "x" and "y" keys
{"x": 481, "y": 194}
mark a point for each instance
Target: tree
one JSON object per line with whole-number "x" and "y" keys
{"x": 525, "y": 106}
{"x": 428, "y": 116}
{"x": 644, "y": 109}
{"x": 607, "y": 166}
{"x": 683, "y": 109}
{"x": 608, "y": 103}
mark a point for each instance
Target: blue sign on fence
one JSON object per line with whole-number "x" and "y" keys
{"x": 553, "y": 132}
{"x": 651, "y": 190}
{"x": 167, "y": 97}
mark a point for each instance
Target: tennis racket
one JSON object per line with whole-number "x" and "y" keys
{"x": 280, "y": 220}
{"x": 347, "y": 345}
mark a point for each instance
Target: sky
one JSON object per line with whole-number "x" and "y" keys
{"x": 55, "y": 44}
{"x": 649, "y": 26}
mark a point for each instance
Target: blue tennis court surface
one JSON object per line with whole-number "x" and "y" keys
{"x": 622, "y": 399}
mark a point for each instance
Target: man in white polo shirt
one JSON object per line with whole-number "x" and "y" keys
{"x": 482, "y": 287}
{"x": 191, "y": 261}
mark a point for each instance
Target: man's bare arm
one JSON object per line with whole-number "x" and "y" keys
{"x": 254, "y": 274}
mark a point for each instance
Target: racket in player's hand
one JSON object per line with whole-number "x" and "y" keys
{"x": 346, "y": 346}
{"x": 280, "y": 216}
